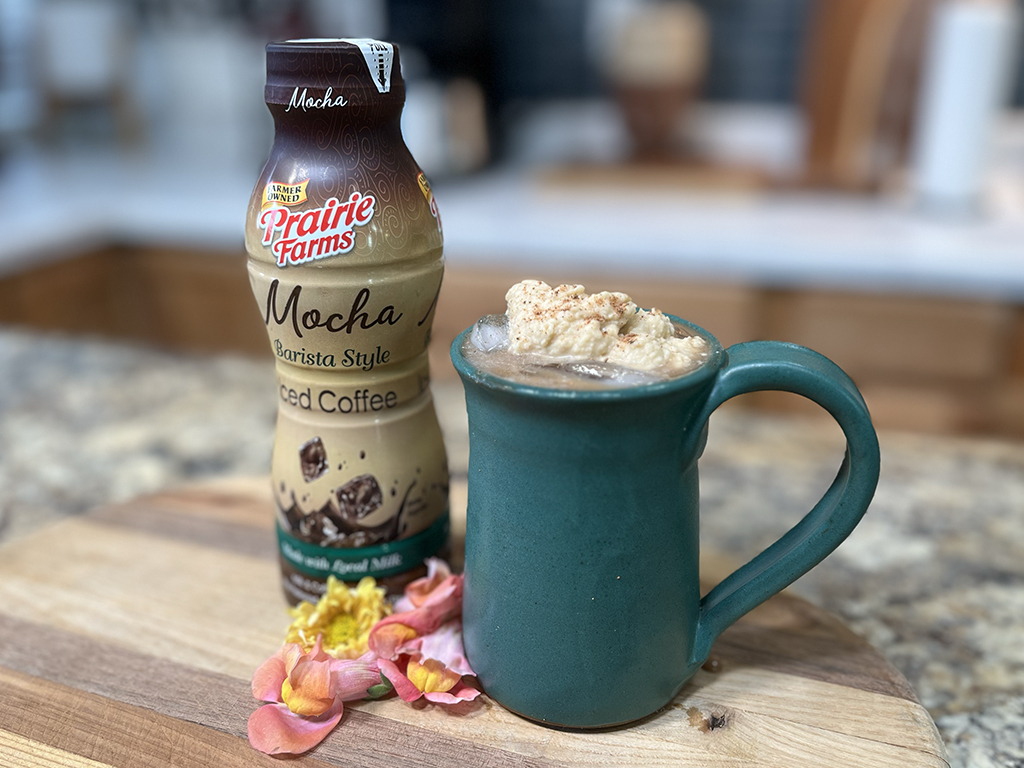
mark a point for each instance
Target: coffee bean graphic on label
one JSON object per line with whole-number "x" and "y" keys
{"x": 313, "y": 458}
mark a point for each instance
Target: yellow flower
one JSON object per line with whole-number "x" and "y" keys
{"x": 343, "y": 617}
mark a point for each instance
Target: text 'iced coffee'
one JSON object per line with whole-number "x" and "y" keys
{"x": 345, "y": 262}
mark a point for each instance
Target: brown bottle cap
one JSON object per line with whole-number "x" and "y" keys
{"x": 315, "y": 73}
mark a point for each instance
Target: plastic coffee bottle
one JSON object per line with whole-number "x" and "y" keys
{"x": 345, "y": 262}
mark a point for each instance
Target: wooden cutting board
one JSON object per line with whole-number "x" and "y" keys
{"x": 128, "y": 637}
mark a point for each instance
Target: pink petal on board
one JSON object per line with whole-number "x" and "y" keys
{"x": 403, "y": 686}
{"x": 275, "y": 729}
{"x": 268, "y": 677}
{"x": 461, "y": 692}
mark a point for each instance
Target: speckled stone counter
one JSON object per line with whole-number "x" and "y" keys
{"x": 933, "y": 577}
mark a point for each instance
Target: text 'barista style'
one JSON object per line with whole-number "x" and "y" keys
{"x": 345, "y": 262}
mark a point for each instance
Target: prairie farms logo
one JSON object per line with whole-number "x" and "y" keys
{"x": 298, "y": 237}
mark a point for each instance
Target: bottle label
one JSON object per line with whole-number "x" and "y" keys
{"x": 360, "y": 471}
{"x": 379, "y": 561}
{"x": 299, "y": 237}
{"x": 302, "y": 390}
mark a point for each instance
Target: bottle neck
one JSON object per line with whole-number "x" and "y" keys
{"x": 339, "y": 126}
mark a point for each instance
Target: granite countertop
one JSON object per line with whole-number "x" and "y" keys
{"x": 933, "y": 577}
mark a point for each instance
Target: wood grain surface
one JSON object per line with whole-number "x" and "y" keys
{"x": 128, "y": 637}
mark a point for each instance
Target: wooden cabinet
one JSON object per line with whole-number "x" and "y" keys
{"x": 924, "y": 363}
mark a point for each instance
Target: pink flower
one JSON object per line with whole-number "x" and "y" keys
{"x": 438, "y": 605}
{"x": 427, "y": 678}
{"x": 306, "y": 691}
{"x": 444, "y": 645}
{"x": 420, "y": 649}
{"x": 416, "y": 592}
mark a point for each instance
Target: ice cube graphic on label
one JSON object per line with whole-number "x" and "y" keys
{"x": 320, "y": 527}
{"x": 359, "y": 497}
{"x": 313, "y": 459}
{"x": 379, "y": 57}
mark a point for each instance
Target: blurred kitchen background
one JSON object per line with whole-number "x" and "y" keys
{"x": 846, "y": 174}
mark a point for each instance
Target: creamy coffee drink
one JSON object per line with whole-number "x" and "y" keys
{"x": 345, "y": 261}
{"x": 565, "y": 338}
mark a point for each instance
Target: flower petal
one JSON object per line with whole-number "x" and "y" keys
{"x": 385, "y": 639}
{"x": 417, "y": 591}
{"x": 317, "y": 654}
{"x": 447, "y": 595}
{"x": 461, "y": 692}
{"x": 342, "y": 615}
{"x": 430, "y": 675}
{"x": 403, "y": 605}
{"x": 445, "y": 645}
{"x": 268, "y": 677}
{"x": 292, "y": 653}
{"x": 403, "y": 687}
{"x": 352, "y": 677}
{"x": 308, "y": 689}
{"x": 443, "y": 604}
{"x": 274, "y": 729}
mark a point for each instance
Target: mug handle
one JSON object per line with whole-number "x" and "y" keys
{"x": 774, "y": 365}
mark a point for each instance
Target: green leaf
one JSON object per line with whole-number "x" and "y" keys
{"x": 380, "y": 690}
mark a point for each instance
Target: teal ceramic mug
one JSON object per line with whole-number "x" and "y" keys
{"x": 582, "y": 605}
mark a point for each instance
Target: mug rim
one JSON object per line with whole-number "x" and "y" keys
{"x": 698, "y": 376}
